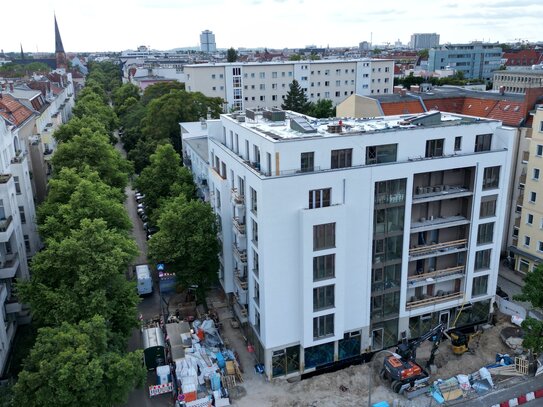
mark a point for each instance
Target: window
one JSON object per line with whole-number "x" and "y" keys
{"x": 262, "y": 75}
{"x": 262, "y": 86}
{"x": 485, "y": 232}
{"x": 255, "y": 232}
{"x": 319, "y": 198}
{"x": 262, "y": 98}
{"x": 22, "y": 213}
{"x": 274, "y": 75}
{"x": 323, "y": 326}
{"x": 458, "y": 143}
{"x": 488, "y": 206}
{"x": 324, "y": 236}
{"x": 515, "y": 231}
{"x": 324, "y": 267}
{"x": 527, "y": 240}
{"x": 518, "y": 209}
{"x": 27, "y": 243}
{"x": 341, "y": 158}
{"x": 541, "y": 126}
{"x": 530, "y": 219}
{"x": 535, "y": 174}
{"x": 540, "y": 246}
{"x": 307, "y": 161}
{"x": 539, "y": 150}
{"x": 533, "y": 197}
{"x": 483, "y": 142}
{"x": 491, "y": 177}
{"x": 236, "y": 71}
{"x": 326, "y": 83}
{"x": 381, "y": 154}
{"x": 17, "y": 185}
{"x": 218, "y": 199}
{"x": 256, "y": 294}
{"x": 482, "y": 259}
{"x": 434, "y": 148}
{"x": 213, "y": 76}
{"x": 323, "y": 297}
{"x": 480, "y": 286}
{"x": 257, "y": 321}
{"x": 254, "y": 200}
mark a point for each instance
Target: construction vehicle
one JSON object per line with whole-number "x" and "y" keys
{"x": 460, "y": 341}
{"x": 402, "y": 370}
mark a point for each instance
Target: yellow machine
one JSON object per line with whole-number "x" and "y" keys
{"x": 460, "y": 341}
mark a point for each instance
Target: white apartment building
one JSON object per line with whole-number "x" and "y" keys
{"x": 17, "y": 229}
{"x": 252, "y": 85}
{"x": 337, "y": 236}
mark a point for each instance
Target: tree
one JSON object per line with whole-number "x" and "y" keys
{"x": 295, "y": 57}
{"x": 231, "y": 55}
{"x": 131, "y": 122}
{"x": 423, "y": 53}
{"x": 532, "y": 291}
{"x": 141, "y": 153}
{"x": 533, "y": 335}
{"x": 75, "y": 126}
{"x": 72, "y": 365}
{"x": 124, "y": 92}
{"x": 95, "y": 151}
{"x": 92, "y": 105}
{"x": 160, "y": 89}
{"x": 295, "y": 99}
{"x": 161, "y": 175}
{"x": 83, "y": 275}
{"x": 187, "y": 242}
{"x": 322, "y": 109}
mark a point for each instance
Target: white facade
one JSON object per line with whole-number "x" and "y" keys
{"x": 424, "y": 40}
{"x": 207, "y": 42}
{"x": 334, "y": 244}
{"x": 250, "y": 85}
{"x": 17, "y": 231}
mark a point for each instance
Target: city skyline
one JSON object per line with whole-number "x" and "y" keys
{"x": 167, "y": 24}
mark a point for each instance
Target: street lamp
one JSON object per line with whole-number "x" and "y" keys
{"x": 372, "y": 369}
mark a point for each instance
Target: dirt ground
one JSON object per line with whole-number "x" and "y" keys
{"x": 349, "y": 386}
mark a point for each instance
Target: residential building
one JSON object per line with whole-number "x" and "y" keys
{"x": 339, "y": 235}
{"x": 476, "y": 60}
{"x": 424, "y": 40}
{"x": 251, "y": 85}
{"x": 207, "y": 42}
{"x": 522, "y": 58}
{"x": 195, "y": 155}
{"x": 517, "y": 80}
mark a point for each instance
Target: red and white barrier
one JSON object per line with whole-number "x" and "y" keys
{"x": 517, "y": 401}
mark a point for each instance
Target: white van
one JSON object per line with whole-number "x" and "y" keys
{"x": 145, "y": 282}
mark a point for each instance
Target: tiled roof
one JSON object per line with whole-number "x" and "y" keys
{"x": 524, "y": 57}
{"x": 478, "y": 107}
{"x": 402, "y": 107}
{"x": 13, "y": 110}
{"x": 510, "y": 113}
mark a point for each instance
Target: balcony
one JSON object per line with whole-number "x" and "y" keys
{"x": 241, "y": 280}
{"x": 8, "y": 268}
{"x": 19, "y": 158}
{"x": 239, "y": 253}
{"x": 438, "y": 248}
{"x": 522, "y": 180}
{"x": 4, "y": 178}
{"x": 241, "y": 312}
{"x": 437, "y": 192}
{"x": 13, "y": 306}
{"x": 237, "y": 198}
{"x": 6, "y": 229}
{"x": 433, "y": 300}
{"x": 520, "y": 199}
{"x": 240, "y": 297}
{"x": 525, "y": 157}
{"x": 438, "y": 222}
{"x": 239, "y": 224}
{"x": 432, "y": 276}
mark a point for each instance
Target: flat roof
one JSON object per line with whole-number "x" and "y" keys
{"x": 309, "y": 127}
{"x": 199, "y": 145}
{"x": 320, "y": 61}
{"x": 524, "y": 71}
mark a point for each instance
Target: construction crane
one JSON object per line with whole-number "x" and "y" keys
{"x": 402, "y": 370}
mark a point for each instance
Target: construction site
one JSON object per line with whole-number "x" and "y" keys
{"x": 213, "y": 362}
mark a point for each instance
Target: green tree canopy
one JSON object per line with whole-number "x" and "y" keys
{"x": 141, "y": 153}
{"x": 187, "y": 242}
{"x": 75, "y": 126}
{"x": 296, "y": 99}
{"x": 164, "y": 172}
{"x": 322, "y": 109}
{"x": 82, "y": 275}
{"x": 160, "y": 89}
{"x": 295, "y": 57}
{"x": 92, "y": 105}
{"x": 71, "y": 365}
{"x": 93, "y": 88}
{"x": 131, "y": 121}
{"x": 231, "y": 55}
{"x": 124, "y": 92}
{"x": 94, "y": 151}
{"x": 532, "y": 291}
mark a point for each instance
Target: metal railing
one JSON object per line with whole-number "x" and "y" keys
{"x": 432, "y": 300}
{"x": 437, "y": 274}
{"x": 438, "y": 247}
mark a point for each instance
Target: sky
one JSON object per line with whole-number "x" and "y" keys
{"x": 116, "y": 25}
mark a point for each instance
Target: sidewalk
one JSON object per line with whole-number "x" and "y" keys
{"x": 510, "y": 275}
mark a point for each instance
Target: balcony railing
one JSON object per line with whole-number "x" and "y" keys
{"x": 438, "y": 221}
{"x": 240, "y": 254}
{"x": 438, "y": 247}
{"x": 237, "y": 197}
{"x": 525, "y": 157}
{"x": 520, "y": 199}
{"x": 239, "y": 224}
{"x": 4, "y": 223}
{"x": 422, "y": 192}
{"x": 4, "y": 178}
{"x": 522, "y": 179}
{"x": 241, "y": 279}
{"x": 436, "y": 275}
{"x": 432, "y": 300}
{"x": 8, "y": 268}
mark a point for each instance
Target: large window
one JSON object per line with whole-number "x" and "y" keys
{"x": 323, "y": 326}
{"x": 324, "y": 267}
{"x": 323, "y": 297}
{"x": 17, "y": 185}
{"x": 491, "y": 177}
{"x": 324, "y": 236}
{"x": 319, "y": 198}
{"x": 483, "y": 142}
{"x": 524, "y": 266}
{"x": 381, "y": 154}
{"x": 480, "y": 286}
{"x": 482, "y": 259}
{"x": 458, "y": 143}
{"x": 307, "y": 163}
{"x": 485, "y": 232}
{"x": 342, "y": 158}
{"x": 488, "y": 206}
{"x": 254, "y": 232}
{"x": 254, "y": 200}
{"x": 434, "y": 148}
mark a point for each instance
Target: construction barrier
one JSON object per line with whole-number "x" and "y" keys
{"x": 525, "y": 398}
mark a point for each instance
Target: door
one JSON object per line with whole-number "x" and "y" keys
{"x": 444, "y": 318}
{"x": 377, "y": 339}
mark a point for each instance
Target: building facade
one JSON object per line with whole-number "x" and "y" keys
{"x": 361, "y": 229}
{"x": 424, "y": 40}
{"x": 251, "y": 85}
{"x": 207, "y": 42}
{"x": 476, "y": 60}
{"x": 518, "y": 80}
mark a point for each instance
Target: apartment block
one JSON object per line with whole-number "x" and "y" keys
{"x": 518, "y": 80}
{"x": 252, "y": 85}
{"x": 339, "y": 235}
{"x": 476, "y": 60}
{"x": 424, "y": 40}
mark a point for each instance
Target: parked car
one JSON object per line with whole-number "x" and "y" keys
{"x": 141, "y": 206}
{"x": 151, "y": 231}
{"x": 144, "y": 218}
{"x": 141, "y": 212}
{"x": 502, "y": 293}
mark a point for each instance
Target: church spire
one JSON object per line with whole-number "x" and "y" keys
{"x": 59, "y": 49}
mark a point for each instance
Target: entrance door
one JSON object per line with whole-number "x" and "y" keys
{"x": 444, "y": 318}
{"x": 377, "y": 336}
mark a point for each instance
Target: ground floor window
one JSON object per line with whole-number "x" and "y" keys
{"x": 319, "y": 355}
{"x": 523, "y": 265}
{"x": 349, "y": 346}
{"x": 384, "y": 334}
{"x": 285, "y": 361}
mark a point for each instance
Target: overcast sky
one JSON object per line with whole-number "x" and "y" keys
{"x": 100, "y": 25}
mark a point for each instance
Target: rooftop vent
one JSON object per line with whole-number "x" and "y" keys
{"x": 334, "y": 128}
{"x": 301, "y": 125}
{"x": 250, "y": 114}
{"x": 275, "y": 115}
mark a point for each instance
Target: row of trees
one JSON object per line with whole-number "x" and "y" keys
{"x": 296, "y": 100}
{"x": 457, "y": 79}
{"x": 80, "y": 298}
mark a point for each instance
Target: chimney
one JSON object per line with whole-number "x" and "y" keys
{"x": 415, "y": 88}
{"x": 403, "y": 92}
{"x": 10, "y": 83}
{"x": 502, "y": 90}
{"x": 397, "y": 90}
